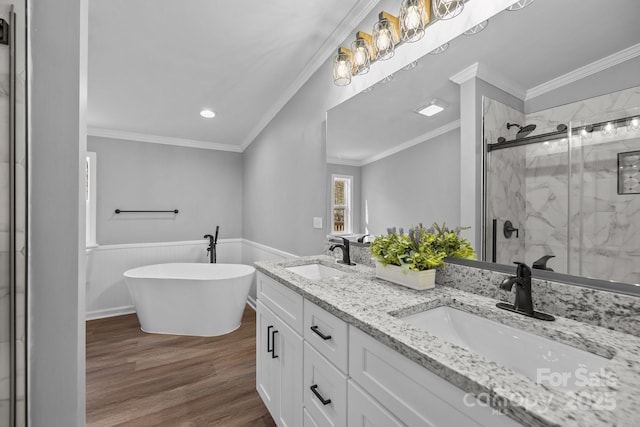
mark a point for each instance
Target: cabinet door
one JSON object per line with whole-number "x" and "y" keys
{"x": 288, "y": 351}
{"x": 267, "y": 367}
{"x": 365, "y": 411}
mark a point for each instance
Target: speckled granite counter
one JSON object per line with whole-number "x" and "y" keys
{"x": 374, "y": 306}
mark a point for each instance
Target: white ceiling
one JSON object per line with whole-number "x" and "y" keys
{"x": 523, "y": 49}
{"x": 154, "y": 64}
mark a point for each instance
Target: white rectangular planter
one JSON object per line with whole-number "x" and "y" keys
{"x": 425, "y": 279}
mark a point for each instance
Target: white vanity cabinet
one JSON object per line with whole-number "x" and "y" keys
{"x": 279, "y": 353}
{"x": 315, "y": 370}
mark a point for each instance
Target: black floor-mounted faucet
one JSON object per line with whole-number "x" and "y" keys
{"x": 213, "y": 241}
{"x": 346, "y": 257}
{"x": 523, "y": 303}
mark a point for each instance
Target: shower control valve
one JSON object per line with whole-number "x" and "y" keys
{"x": 508, "y": 230}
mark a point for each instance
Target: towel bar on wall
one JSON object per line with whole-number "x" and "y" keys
{"x": 175, "y": 211}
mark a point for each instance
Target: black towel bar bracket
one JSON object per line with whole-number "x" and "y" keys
{"x": 175, "y": 211}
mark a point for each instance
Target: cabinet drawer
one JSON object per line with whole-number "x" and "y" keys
{"x": 325, "y": 390}
{"x": 365, "y": 411}
{"x": 327, "y": 334}
{"x": 284, "y": 302}
{"x": 413, "y": 394}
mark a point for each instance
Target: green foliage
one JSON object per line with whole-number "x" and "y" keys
{"x": 421, "y": 248}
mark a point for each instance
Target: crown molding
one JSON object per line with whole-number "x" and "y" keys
{"x": 165, "y": 140}
{"x": 466, "y": 74}
{"x": 481, "y": 71}
{"x": 357, "y": 13}
{"x": 344, "y": 162}
{"x": 585, "y": 71}
{"x": 398, "y": 148}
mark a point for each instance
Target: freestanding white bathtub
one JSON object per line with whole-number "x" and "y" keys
{"x": 190, "y": 298}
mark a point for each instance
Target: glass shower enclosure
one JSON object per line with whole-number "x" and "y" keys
{"x": 565, "y": 195}
{"x": 13, "y": 205}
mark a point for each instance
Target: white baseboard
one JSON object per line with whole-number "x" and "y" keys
{"x": 110, "y": 312}
{"x": 251, "y": 302}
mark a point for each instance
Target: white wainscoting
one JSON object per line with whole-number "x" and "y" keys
{"x": 252, "y": 252}
{"x": 106, "y": 291}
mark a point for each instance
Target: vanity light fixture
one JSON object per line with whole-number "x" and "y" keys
{"x": 447, "y": 9}
{"x": 386, "y": 35}
{"x": 361, "y": 56}
{"x": 520, "y": 4}
{"x": 207, "y": 114}
{"x": 439, "y": 49}
{"x": 609, "y": 129}
{"x": 633, "y": 123}
{"x": 414, "y": 16}
{"x": 475, "y": 30}
{"x": 432, "y": 108}
{"x": 410, "y": 66}
{"x": 342, "y": 67}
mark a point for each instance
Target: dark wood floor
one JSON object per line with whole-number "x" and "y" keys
{"x": 139, "y": 379}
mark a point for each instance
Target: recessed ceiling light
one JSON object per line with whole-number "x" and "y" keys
{"x": 432, "y": 108}
{"x": 207, "y": 114}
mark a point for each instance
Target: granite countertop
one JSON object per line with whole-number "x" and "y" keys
{"x": 375, "y": 307}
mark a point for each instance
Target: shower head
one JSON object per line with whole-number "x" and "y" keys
{"x": 522, "y": 131}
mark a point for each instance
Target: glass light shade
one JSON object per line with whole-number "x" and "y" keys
{"x": 609, "y": 129}
{"x": 342, "y": 68}
{"x": 475, "y": 30}
{"x": 410, "y": 66}
{"x": 633, "y": 123}
{"x": 439, "y": 49}
{"x": 383, "y": 40}
{"x": 520, "y": 4}
{"x": 413, "y": 18}
{"x": 447, "y": 9}
{"x": 360, "y": 57}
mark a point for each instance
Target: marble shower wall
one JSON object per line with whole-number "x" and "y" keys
{"x": 574, "y": 213}
{"x": 505, "y": 181}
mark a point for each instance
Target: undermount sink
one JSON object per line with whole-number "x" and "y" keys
{"x": 316, "y": 271}
{"x": 545, "y": 361}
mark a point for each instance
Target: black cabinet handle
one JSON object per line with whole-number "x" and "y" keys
{"x": 269, "y": 349}
{"x": 314, "y": 389}
{"x": 323, "y": 336}
{"x": 273, "y": 344}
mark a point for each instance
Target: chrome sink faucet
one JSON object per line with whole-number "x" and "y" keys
{"x": 346, "y": 257}
{"x": 523, "y": 303}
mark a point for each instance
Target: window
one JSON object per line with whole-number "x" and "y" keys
{"x": 90, "y": 199}
{"x": 341, "y": 204}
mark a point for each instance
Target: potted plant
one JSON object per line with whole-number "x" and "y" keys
{"x": 411, "y": 259}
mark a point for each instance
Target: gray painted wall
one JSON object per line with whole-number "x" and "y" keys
{"x": 284, "y": 183}
{"x": 355, "y": 172}
{"x": 56, "y": 353}
{"x": 204, "y": 185}
{"x": 420, "y": 184}
{"x": 618, "y": 77}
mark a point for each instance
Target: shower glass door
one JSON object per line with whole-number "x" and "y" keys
{"x": 568, "y": 192}
{"x": 13, "y": 205}
{"x": 604, "y": 198}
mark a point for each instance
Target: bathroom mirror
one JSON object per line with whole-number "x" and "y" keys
{"x": 535, "y": 60}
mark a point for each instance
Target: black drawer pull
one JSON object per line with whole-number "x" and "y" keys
{"x": 323, "y": 336}
{"x": 273, "y": 344}
{"x": 319, "y": 396}
{"x": 269, "y": 349}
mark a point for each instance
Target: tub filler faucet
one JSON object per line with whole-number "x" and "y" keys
{"x": 523, "y": 303}
{"x": 213, "y": 241}
{"x": 346, "y": 257}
